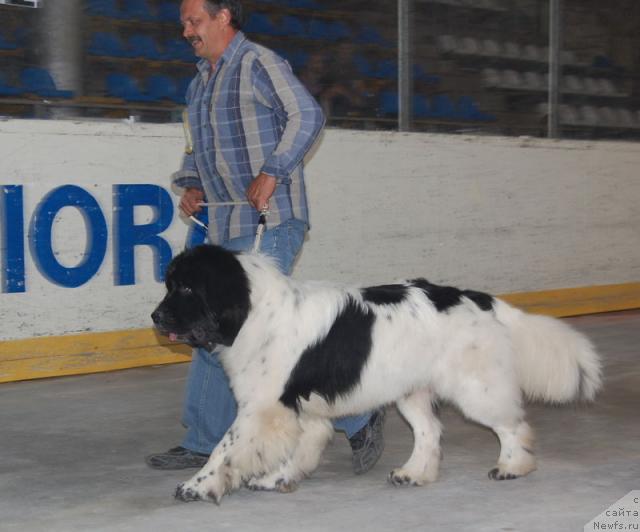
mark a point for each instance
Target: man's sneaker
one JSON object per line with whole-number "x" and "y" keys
{"x": 368, "y": 443}
{"x": 177, "y": 458}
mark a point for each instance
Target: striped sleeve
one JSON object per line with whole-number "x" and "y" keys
{"x": 187, "y": 176}
{"x": 276, "y": 86}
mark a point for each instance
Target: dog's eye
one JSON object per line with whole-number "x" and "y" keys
{"x": 186, "y": 290}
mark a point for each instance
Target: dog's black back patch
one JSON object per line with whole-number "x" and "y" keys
{"x": 332, "y": 366}
{"x": 388, "y": 294}
{"x": 446, "y": 297}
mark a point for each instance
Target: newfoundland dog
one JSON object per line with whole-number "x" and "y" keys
{"x": 300, "y": 353}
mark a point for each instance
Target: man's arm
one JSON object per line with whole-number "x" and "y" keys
{"x": 260, "y": 190}
{"x": 275, "y": 85}
{"x": 188, "y": 182}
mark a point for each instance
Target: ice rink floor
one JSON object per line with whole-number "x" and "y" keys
{"x": 73, "y": 460}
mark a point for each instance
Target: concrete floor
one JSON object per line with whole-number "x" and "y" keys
{"x": 73, "y": 452}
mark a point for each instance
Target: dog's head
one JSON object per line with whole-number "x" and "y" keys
{"x": 207, "y": 298}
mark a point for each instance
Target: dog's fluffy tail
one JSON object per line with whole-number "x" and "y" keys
{"x": 555, "y": 363}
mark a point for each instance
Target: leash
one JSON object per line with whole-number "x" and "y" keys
{"x": 262, "y": 220}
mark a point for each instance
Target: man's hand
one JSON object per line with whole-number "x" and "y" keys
{"x": 260, "y": 190}
{"x": 190, "y": 199}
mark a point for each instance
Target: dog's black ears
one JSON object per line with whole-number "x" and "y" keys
{"x": 231, "y": 321}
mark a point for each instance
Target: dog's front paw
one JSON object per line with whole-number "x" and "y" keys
{"x": 498, "y": 473}
{"x": 258, "y": 484}
{"x": 401, "y": 477}
{"x": 286, "y": 486}
{"x": 268, "y": 483}
{"x": 186, "y": 494}
{"x": 200, "y": 490}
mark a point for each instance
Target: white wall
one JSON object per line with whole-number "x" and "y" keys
{"x": 497, "y": 214}
{"x": 501, "y": 214}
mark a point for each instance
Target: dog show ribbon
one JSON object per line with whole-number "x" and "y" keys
{"x": 186, "y": 128}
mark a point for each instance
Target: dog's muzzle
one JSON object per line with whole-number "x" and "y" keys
{"x": 201, "y": 335}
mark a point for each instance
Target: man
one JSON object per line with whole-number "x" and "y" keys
{"x": 251, "y": 124}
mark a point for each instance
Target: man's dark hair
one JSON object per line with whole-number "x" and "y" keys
{"x": 213, "y": 7}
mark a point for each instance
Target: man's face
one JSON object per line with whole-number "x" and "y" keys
{"x": 206, "y": 34}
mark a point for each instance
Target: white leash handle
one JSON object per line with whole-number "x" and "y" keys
{"x": 221, "y": 203}
{"x": 262, "y": 224}
{"x": 198, "y": 222}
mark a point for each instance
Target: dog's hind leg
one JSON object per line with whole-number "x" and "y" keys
{"x": 516, "y": 451}
{"x": 498, "y": 408}
{"x": 423, "y": 464}
{"x": 316, "y": 433}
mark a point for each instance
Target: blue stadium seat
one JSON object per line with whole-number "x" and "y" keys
{"x": 7, "y": 44}
{"x": 293, "y": 26}
{"x": 387, "y": 69}
{"x": 39, "y": 81}
{"x": 8, "y": 90}
{"x": 318, "y": 29}
{"x": 306, "y": 4}
{"x": 389, "y": 103}
{"x": 123, "y": 86}
{"x": 181, "y": 87}
{"x": 144, "y": 46}
{"x": 162, "y": 87}
{"x": 297, "y": 58}
{"x": 260, "y": 23}
{"x": 370, "y": 35}
{"x": 169, "y": 12}
{"x": 178, "y": 49}
{"x": 137, "y": 10}
{"x": 442, "y": 107}
{"x": 103, "y": 8}
{"x": 363, "y": 66}
{"x": 23, "y": 35}
{"x": 338, "y": 30}
{"x": 421, "y": 107}
{"x": 107, "y": 44}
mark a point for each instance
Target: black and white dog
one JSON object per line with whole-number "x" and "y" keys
{"x": 299, "y": 353}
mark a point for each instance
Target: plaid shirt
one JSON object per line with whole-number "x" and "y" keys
{"x": 248, "y": 115}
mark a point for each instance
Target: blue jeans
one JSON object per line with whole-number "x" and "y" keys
{"x": 209, "y": 407}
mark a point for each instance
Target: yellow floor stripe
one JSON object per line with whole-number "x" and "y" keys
{"x": 578, "y": 301}
{"x": 55, "y": 356}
